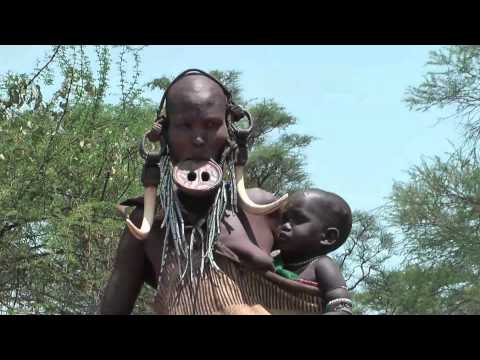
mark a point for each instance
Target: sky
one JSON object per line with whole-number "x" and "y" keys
{"x": 349, "y": 97}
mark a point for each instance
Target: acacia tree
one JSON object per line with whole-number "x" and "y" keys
{"x": 437, "y": 208}
{"x": 366, "y": 250}
{"x": 416, "y": 289}
{"x": 451, "y": 83}
{"x": 66, "y": 159}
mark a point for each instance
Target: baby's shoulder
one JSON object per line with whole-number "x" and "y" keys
{"x": 326, "y": 270}
{"x": 323, "y": 261}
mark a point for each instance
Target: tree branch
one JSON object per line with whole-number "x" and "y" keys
{"x": 45, "y": 66}
{"x": 107, "y": 177}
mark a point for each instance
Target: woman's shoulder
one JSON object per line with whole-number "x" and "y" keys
{"x": 260, "y": 196}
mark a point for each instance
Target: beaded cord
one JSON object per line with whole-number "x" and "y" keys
{"x": 173, "y": 221}
{"x": 340, "y": 304}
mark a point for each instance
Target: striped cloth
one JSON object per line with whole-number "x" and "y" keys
{"x": 233, "y": 290}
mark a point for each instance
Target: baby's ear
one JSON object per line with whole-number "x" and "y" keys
{"x": 332, "y": 235}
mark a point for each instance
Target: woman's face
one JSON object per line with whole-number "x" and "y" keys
{"x": 196, "y": 114}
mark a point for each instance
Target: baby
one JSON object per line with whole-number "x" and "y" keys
{"x": 314, "y": 223}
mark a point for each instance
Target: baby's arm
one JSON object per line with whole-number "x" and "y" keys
{"x": 332, "y": 284}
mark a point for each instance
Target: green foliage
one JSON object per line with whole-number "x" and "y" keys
{"x": 278, "y": 167}
{"x": 366, "y": 250}
{"x": 160, "y": 83}
{"x": 419, "y": 290}
{"x": 437, "y": 208}
{"x": 453, "y": 82}
{"x": 66, "y": 161}
{"x": 231, "y": 80}
{"x": 270, "y": 116}
{"x": 437, "y": 211}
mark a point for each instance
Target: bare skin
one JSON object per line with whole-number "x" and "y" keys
{"x": 196, "y": 108}
{"x": 310, "y": 228}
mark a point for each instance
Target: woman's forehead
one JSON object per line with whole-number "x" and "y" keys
{"x": 195, "y": 90}
{"x": 198, "y": 110}
{"x": 197, "y": 106}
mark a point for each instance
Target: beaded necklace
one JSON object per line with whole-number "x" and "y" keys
{"x": 300, "y": 264}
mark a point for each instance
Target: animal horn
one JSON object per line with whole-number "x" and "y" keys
{"x": 148, "y": 213}
{"x": 248, "y": 204}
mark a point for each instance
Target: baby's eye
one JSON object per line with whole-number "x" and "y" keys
{"x": 298, "y": 219}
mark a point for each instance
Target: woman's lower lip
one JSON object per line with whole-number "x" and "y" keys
{"x": 191, "y": 158}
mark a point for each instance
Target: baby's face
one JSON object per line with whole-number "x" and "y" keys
{"x": 303, "y": 225}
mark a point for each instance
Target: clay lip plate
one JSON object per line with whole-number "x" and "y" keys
{"x": 197, "y": 185}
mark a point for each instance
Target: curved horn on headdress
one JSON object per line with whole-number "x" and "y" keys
{"x": 248, "y": 204}
{"x": 150, "y": 191}
{"x": 241, "y": 136}
{"x": 154, "y": 134}
{"x": 148, "y": 213}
